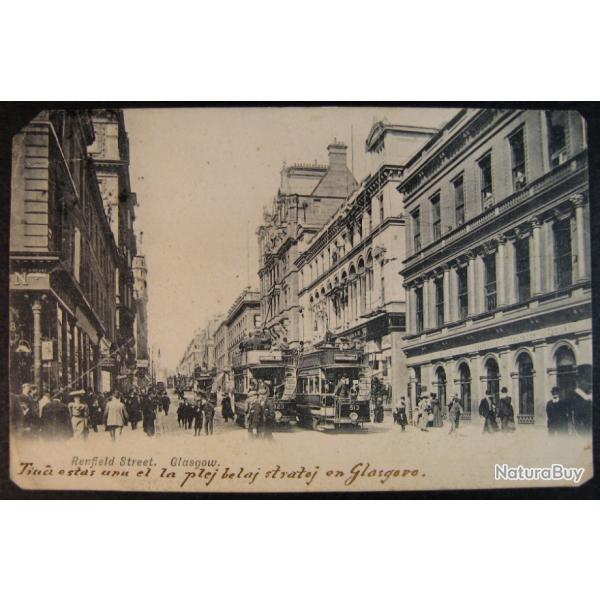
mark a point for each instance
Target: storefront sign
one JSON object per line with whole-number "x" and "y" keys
{"x": 108, "y": 363}
{"x": 142, "y": 363}
{"x": 47, "y": 351}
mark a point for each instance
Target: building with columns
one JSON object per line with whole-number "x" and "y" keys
{"x": 308, "y": 196}
{"x": 497, "y": 267}
{"x": 348, "y": 273}
{"x": 63, "y": 258}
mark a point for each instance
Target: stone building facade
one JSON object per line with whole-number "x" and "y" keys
{"x": 348, "y": 274}
{"x": 497, "y": 266}
{"x": 63, "y": 258}
{"x": 307, "y": 198}
{"x": 243, "y": 321}
{"x": 110, "y": 152}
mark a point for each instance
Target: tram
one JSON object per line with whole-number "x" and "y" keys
{"x": 273, "y": 369}
{"x": 323, "y": 398}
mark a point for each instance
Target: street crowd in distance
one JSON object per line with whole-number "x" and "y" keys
{"x": 49, "y": 417}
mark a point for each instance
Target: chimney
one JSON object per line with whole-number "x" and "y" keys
{"x": 337, "y": 154}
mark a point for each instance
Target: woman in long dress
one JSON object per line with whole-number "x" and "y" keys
{"x": 80, "y": 415}
{"x": 437, "y": 411}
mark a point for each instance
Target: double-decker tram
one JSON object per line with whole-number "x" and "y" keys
{"x": 271, "y": 369}
{"x": 333, "y": 389}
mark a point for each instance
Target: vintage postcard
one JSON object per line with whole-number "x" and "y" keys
{"x": 300, "y": 299}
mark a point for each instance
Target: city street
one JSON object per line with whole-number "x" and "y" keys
{"x": 426, "y": 460}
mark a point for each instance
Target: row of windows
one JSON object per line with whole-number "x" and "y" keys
{"x": 563, "y": 273}
{"x": 354, "y": 234}
{"x": 557, "y": 149}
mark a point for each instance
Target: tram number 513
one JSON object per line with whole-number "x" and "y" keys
{"x": 354, "y": 407}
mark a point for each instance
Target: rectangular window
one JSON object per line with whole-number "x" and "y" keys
{"x": 563, "y": 260}
{"x": 517, "y": 154}
{"x": 522, "y": 270}
{"x": 485, "y": 176}
{"x": 557, "y": 137}
{"x": 381, "y": 211}
{"x": 439, "y": 301}
{"x": 436, "y": 217}
{"x": 489, "y": 263}
{"x": 416, "y": 217}
{"x": 463, "y": 293}
{"x": 419, "y": 308}
{"x": 459, "y": 200}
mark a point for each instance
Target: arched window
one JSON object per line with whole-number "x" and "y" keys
{"x": 440, "y": 377}
{"x": 492, "y": 375}
{"x": 525, "y": 372}
{"x": 464, "y": 382}
{"x": 362, "y": 284}
{"x": 369, "y": 291}
{"x": 566, "y": 371}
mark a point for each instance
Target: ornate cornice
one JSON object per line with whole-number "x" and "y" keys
{"x": 474, "y": 128}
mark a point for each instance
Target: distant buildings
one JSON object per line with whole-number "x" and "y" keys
{"x": 307, "y": 198}
{"x": 348, "y": 271}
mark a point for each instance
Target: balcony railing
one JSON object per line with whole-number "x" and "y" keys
{"x": 541, "y": 183}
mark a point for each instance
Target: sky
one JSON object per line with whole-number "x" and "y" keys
{"x": 202, "y": 177}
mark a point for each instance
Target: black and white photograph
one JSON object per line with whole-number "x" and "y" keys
{"x": 272, "y": 299}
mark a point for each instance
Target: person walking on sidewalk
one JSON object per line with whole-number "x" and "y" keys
{"x": 80, "y": 415}
{"x": 557, "y": 411}
{"x": 506, "y": 413}
{"x": 198, "y": 418}
{"x": 454, "y": 410}
{"x": 487, "y": 410}
{"x": 209, "y": 415}
{"x": 115, "y": 415}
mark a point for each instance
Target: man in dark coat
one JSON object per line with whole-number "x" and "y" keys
{"x": 209, "y": 415}
{"x": 56, "y": 421}
{"x": 487, "y": 410}
{"x": 198, "y": 418}
{"x": 506, "y": 413}
{"x": 226, "y": 411}
{"x": 557, "y": 411}
{"x": 148, "y": 415}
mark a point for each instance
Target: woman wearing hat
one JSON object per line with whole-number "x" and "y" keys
{"x": 80, "y": 415}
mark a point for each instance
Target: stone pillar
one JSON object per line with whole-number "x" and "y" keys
{"x": 471, "y": 285}
{"x": 426, "y": 319}
{"x": 399, "y": 372}
{"x": 453, "y": 299}
{"x": 542, "y": 382}
{"x": 501, "y": 273}
{"x": 37, "y": 344}
{"x": 510, "y": 296}
{"x": 504, "y": 367}
{"x": 447, "y": 297}
{"x": 547, "y": 259}
{"x": 536, "y": 259}
{"x": 578, "y": 202}
{"x": 410, "y": 307}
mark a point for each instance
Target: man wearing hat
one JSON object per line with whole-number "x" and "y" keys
{"x": 80, "y": 414}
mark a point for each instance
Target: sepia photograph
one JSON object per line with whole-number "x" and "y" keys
{"x": 300, "y": 299}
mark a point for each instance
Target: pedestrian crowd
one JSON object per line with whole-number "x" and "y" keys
{"x": 63, "y": 415}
